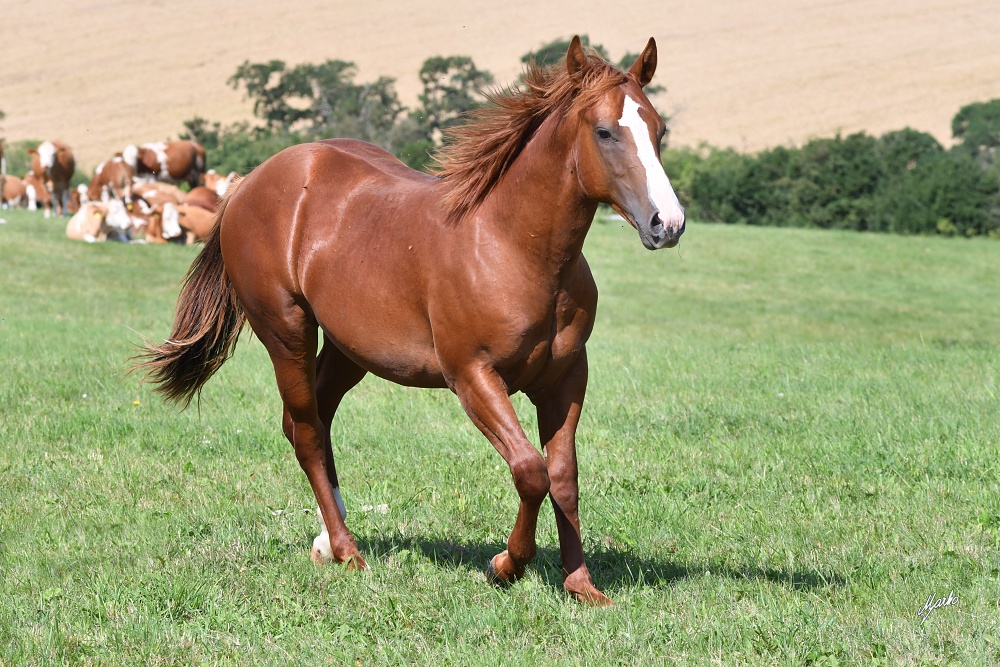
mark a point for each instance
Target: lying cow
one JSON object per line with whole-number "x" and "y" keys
{"x": 164, "y": 225}
{"x": 203, "y": 197}
{"x": 100, "y": 222}
{"x": 13, "y": 193}
{"x": 156, "y": 194}
{"x": 196, "y": 221}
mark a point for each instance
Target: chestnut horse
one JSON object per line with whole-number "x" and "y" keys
{"x": 473, "y": 280}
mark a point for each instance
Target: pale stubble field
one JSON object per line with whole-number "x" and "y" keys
{"x": 739, "y": 73}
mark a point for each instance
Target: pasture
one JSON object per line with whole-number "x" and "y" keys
{"x": 789, "y": 444}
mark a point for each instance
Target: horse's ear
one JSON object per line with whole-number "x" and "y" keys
{"x": 645, "y": 65}
{"x": 575, "y": 57}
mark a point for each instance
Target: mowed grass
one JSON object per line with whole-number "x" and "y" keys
{"x": 789, "y": 443}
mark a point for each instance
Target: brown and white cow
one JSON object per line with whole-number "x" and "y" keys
{"x": 203, "y": 197}
{"x": 36, "y": 193}
{"x": 87, "y": 224}
{"x": 12, "y": 192}
{"x": 111, "y": 180}
{"x": 196, "y": 221}
{"x": 155, "y": 194}
{"x": 164, "y": 225}
{"x": 170, "y": 161}
{"x": 99, "y": 221}
{"x": 54, "y": 162}
{"x": 215, "y": 181}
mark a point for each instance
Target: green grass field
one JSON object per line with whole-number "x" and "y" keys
{"x": 790, "y": 442}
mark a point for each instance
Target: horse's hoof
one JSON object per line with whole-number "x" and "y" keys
{"x": 592, "y": 598}
{"x": 492, "y": 577}
{"x": 321, "y": 553}
{"x": 504, "y": 576}
{"x": 357, "y": 564}
{"x": 582, "y": 588}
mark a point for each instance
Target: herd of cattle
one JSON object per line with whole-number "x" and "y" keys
{"x": 134, "y": 194}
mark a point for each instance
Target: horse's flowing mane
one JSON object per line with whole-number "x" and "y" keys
{"x": 478, "y": 153}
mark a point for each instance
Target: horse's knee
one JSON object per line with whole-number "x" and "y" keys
{"x": 531, "y": 478}
{"x": 563, "y": 488}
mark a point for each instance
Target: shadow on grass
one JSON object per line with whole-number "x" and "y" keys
{"x": 610, "y": 568}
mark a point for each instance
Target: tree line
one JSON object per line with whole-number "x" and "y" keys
{"x": 317, "y": 101}
{"x": 903, "y": 181}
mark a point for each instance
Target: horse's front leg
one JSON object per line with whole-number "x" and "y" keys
{"x": 484, "y": 397}
{"x": 558, "y": 415}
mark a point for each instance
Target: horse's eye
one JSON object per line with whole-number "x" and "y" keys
{"x": 603, "y": 133}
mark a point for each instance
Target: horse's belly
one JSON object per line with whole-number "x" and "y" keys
{"x": 387, "y": 341}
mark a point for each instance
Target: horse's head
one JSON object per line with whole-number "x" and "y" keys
{"x": 619, "y": 152}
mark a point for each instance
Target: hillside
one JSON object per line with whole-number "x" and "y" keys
{"x": 741, "y": 73}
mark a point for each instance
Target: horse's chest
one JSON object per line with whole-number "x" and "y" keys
{"x": 548, "y": 347}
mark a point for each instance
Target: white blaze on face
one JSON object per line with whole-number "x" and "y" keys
{"x": 658, "y": 185}
{"x": 47, "y": 154}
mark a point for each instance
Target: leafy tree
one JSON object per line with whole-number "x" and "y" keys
{"x": 412, "y": 140}
{"x": 903, "y": 150}
{"x": 237, "y": 147}
{"x": 16, "y": 154}
{"x": 977, "y": 126}
{"x": 205, "y": 133}
{"x": 452, "y": 87}
{"x": 948, "y": 193}
{"x": 320, "y": 100}
{"x": 266, "y": 85}
{"x": 837, "y": 179}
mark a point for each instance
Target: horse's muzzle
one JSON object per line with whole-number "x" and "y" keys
{"x": 663, "y": 234}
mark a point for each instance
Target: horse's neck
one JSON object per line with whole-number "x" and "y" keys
{"x": 539, "y": 204}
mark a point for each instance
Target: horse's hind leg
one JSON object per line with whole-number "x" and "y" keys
{"x": 335, "y": 376}
{"x": 291, "y": 343}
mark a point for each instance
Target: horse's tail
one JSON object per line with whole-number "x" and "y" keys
{"x": 206, "y": 327}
